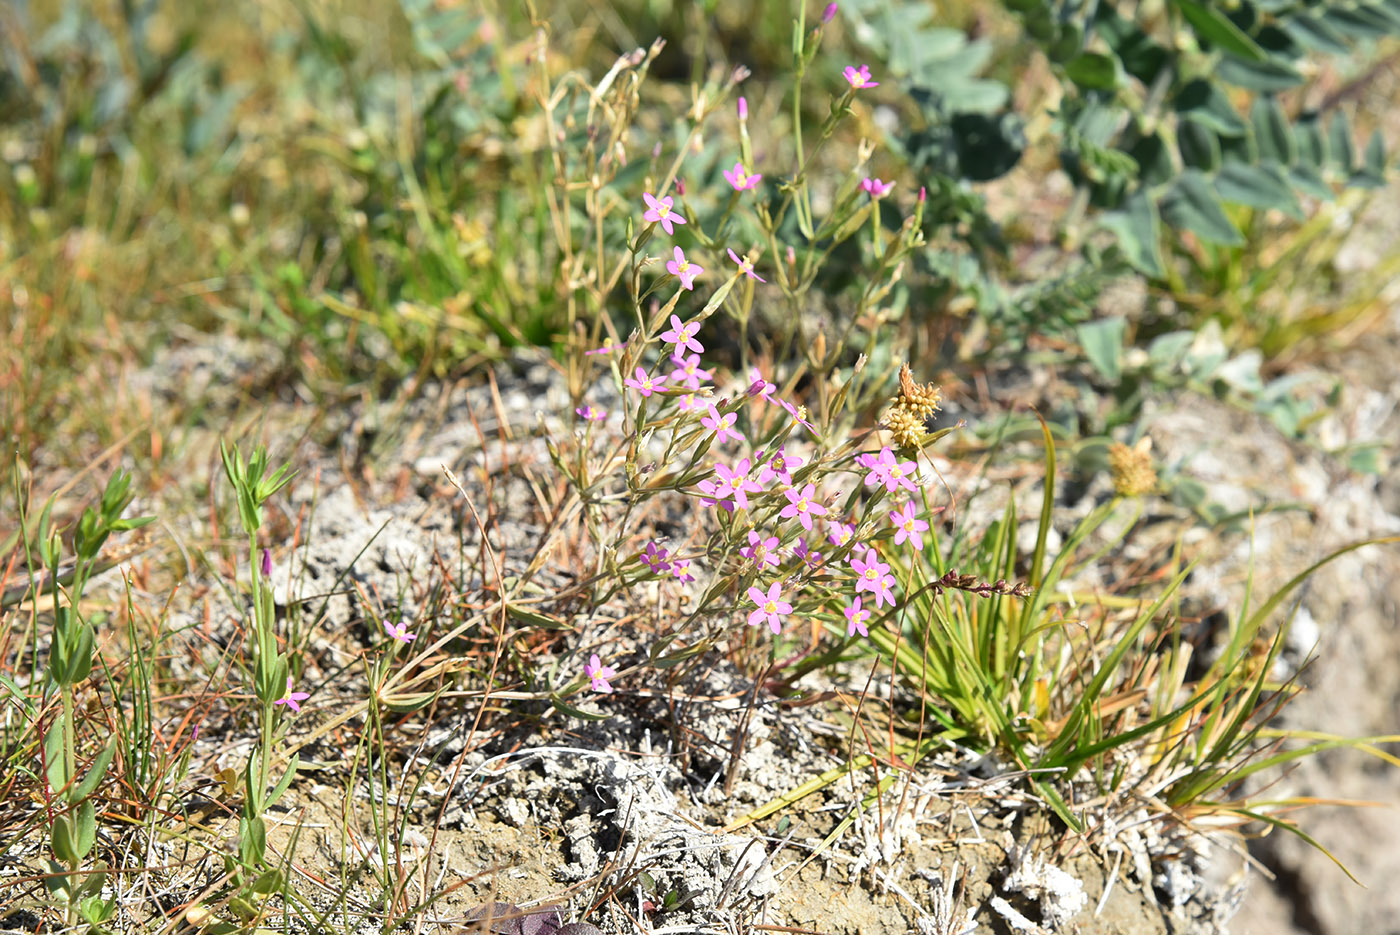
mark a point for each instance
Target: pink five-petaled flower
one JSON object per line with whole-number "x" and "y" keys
{"x": 839, "y": 533}
{"x": 779, "y": 466}
{"x": 659, "y": 211}
{"x": 691, "y": 402}
{"x": 860, "y": 78}
{"x": 721, "y": 425}
{"x": 855, "y": 619}
{"x": 803, "y": 505}
{"x": 399, "y": 631}
{"x": 771, "y": 607}
{"x": 598, "y": 674}
{"x": 875, "y": 188}
{"x": 686, "y": 271}
{"x": 745, "y": 266}
{"x": 714, "y": 493}
{"x": 292, "y": 699}
{"x": 908, "y": 526}
{"x": 888, "y": 470}
{"x": 607, "y": 348}
{"x": 874, "y": 577}
{"x": 762, "y": 551}
{"x": 759, "y": 386}
{"x": 688, "y": 371}
{"x": 591, "y": 413}
{"x": 683, "y": 335}
{"x": 736, "y": 483}
{"x": 655, "y": 558}
{"x": 680, "y": 570}
{"x": 740, "y": 179}
{"x": 812, "y": 559}
{"x": 795, "y": 413}
{"x": 644, "y": 384}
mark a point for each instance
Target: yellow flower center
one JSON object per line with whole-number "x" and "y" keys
{"x": 770, "y": 607}
{"x": 663, "y": 210}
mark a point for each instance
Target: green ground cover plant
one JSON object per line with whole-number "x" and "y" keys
{"x": 742, "y": 294}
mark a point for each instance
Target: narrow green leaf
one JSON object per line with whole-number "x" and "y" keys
{"x": 1339, "y": 146}
{"x": 1191, "y": 204}
{"x": 1264, "y": 77}
{"x": 1199, "y": 146}
{"x": 1272, "y": 132}
{"x": 85, "y": 829}
{"x": 1138, "y": 226}
{"x": 1308, "y": 180}
{"x": 95, "y": 772}
{"x": 62, "y": 842}
{"x": 1093, "y": 71}
{"x": 55, "y": 764}
{"x": 285, "y": 782}
{"x": 1258, "y": 187}
{"x": 1310, "y": 142}
{"x": 1316, "y": 34}
{"x": 1203, "y": 100}
{"x": 1217, "y": 28}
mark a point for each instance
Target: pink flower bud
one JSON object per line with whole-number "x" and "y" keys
{"x": 743, "y": 108}
{"x": 829, "y": 14}
{"x": 680, "y": 187}
{"x": 266, "y": 563}
{"x": 923, "y": 195}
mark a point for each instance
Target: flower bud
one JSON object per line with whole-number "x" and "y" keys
{"x": 266, "y": 563}
{"x": 743, "y": 109}
{"x": 829, "y": 14}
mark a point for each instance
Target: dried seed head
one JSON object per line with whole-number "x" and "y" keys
{"x": 922, "y": 399}
{"x": 910, "y": 410}
{"x": 1133, "y": 474}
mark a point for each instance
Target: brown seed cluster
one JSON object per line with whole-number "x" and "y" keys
{"x": 910, "y": 410}
{"x": 1133, "y": 474}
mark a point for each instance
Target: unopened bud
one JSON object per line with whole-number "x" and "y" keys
{"x": 680, "y": 187}
{"x": 791, "y": 256}
{"x": 829, "y": 14}
{"x": 923, "y": 194}
{"x": 266, "y": 563}
{"x": 743, "y": 108}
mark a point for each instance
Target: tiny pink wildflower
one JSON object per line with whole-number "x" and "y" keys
{"x": 874, "y": 576}
{"x": 745, "y": 266}
{"x": 655, "y": 558}
{"x": 759, "y": 386}
{"x": 691, "y": 402}
{"x": 762, "y": 551}
{"x": 684, "y": 270}
{"x": 770, "y": 607}
{"x": 680, "y": 570}
{"x": 908, "y": 526}
{"x": 807, "y": 555}
{"x": 875, "y": 188}
{"x": 607, "y": 348}
{"x": 780, "y": 466}
{"x": 644, "y": 384}
{"x": 714, "y": 493}
{"x": 591, "y": 413}
{"x": 399, "y": 631}
{"x": 888, "y": 470}
{"x": 736, "y": 483}
{"x": 839, "y": 533}
{"x": 860, "y": 78}
{"x": 722, "y": 425}
{"x": 659, "y": 211}
{"x": 803, "y": 505}
{"x": 741, "y": 180}
{"x": 795, "y": 412}
{"x": 683, "y": 335}
{"x": 292, "y": 699}
{"x": 855, "y": 619}
{"x": 688, "y": 371}
{"x": 598, "y": 674}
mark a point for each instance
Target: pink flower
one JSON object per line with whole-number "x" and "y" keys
{"x": 745, "y": 266}
{"x": 855, "y": 619}
{"x": 839, "y": 533}
{"x": 806, "y": 555}
{"x": 655, "y": 558}
{"x": 680, "y": 570}
{"x": 399, "y": 631}
{"x": 888, "y": 470}
{"x": 829, "y": 13}
{"x": 795, "y": 412}
{"x": 714, "y": 493}
{"x": 759, "y": 386}
{"x": 598, "y": 674}
{"x": 740, "y": 179}
{"x": 908, "y": 527}
{"x": 683, "y": 335}
{"x": 875, "y": 188}
{"x": 292, "y": 699}
{"x": 860, "y": 79}
{"x": 771, "y": 607}
{"x": 644, "y": 384}
{"x": 684, "y": 270}
{"x": 721, "y": 425}
{"x": 688, "y": 371}
{"x": 803, "y": 505}
{"x": 607, "y": 348}
{"x": 591, "y": 413}
{"x": 736, "y": 483}
{"x": 762, "y": 551}
{"x": 659, "y": 211}
{"x": 874, "y": 577}
{"x": 691, "y": 402}
{"x": 266, "y": 565}
{"x": 779, "y": 466}
{"x": 743, "y": 109}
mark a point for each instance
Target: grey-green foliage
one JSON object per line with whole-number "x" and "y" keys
{"x": 1152, "y": 123}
